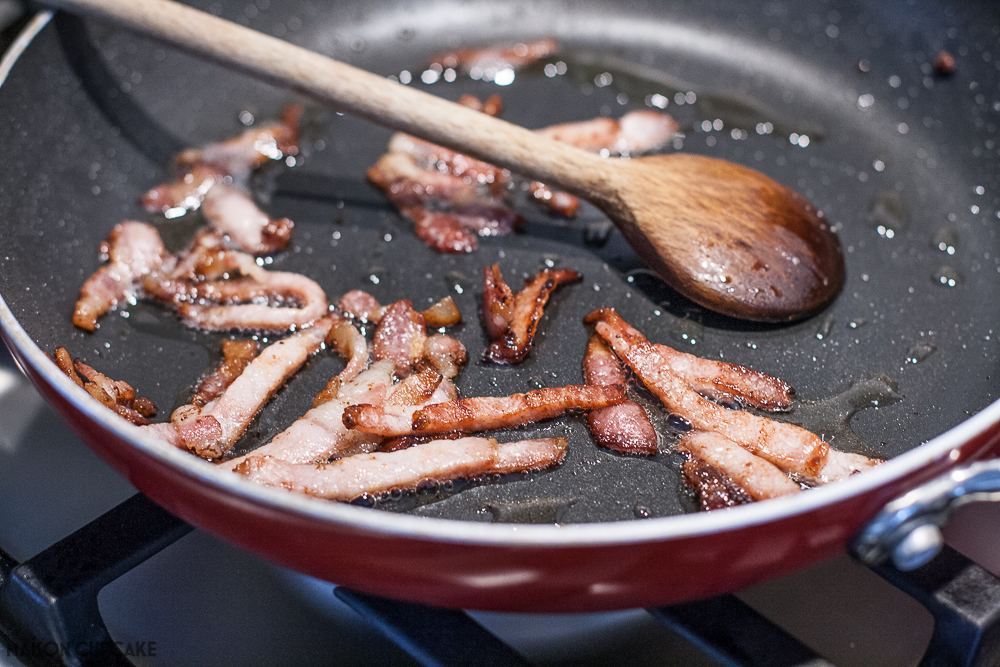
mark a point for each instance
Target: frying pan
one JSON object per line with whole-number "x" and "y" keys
{"x": 837, "y": 100}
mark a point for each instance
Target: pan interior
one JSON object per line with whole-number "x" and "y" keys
{"x": 827, "y": 101}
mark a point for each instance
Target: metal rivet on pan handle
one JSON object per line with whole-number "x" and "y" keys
{"x": 908, "y": 530}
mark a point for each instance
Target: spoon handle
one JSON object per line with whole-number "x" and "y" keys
{"x": 356, "y": 91}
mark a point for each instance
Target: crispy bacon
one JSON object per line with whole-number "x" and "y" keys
{"x": 320, "y": 433}
{"x": 240, "y": 155}
{"x": 511, "y": 320}
{"x": 481, "y": 413}
{"x": 117, "y": 395}
{"x": 635, "y": 133}
{"x": 491, "y": 60}
{"x": 435, "y": 461}
{"x": 716, "y": 490}
{"x": 212, "y": 429}
{"x": 443, "y": 313}
{"x": 760, "y": 479}
{"x": 133, "y": 249}
{"x": 624, "y": 428}
{"x": 791, "y": 448}
{"x": 445, "y": 161}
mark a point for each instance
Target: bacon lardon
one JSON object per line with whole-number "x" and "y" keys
{"x": 211, "y": 430}
{"x": 117, "y": 395}
{"x": 624, "y": 428}
{"x": 133, "y": 249}
{"x": 495, "y": 58}
{"x": 348, "y": 342}
{"x": 759, "y": 478}
{"x": 401, "y": 336}
{"x": 481, "y": 413}
{"x": 791, "y": 448}
{"x": 320, "y": 433}
{"x": 233, "y": 212}
{"x": 635, "y": 133}
{"x": 434, "y": 462}
{"x": 511, "y": 320}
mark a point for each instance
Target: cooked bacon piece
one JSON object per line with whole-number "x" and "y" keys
{"x": 374, "y": 474}
{"x": 525, "y": 455}
{"x": 242, "y": 154}
{"x": 364, "y": 307}
{"x": 409, "y": 186}
{"x": 791, "y": 448}
{"x": 481, "y": 413}
{"x": 231, "y": 211}
{"x": 493, "y": 106}
{"x": 236, "y": 356}
{"x": 557, "y": 201}
{"x": 211, "y": 430}
{"x": 511, "y": 320}
{"x": 117, "y": 395}
{"x": 238, "y": 306}
{"x": 133, "y": 249}
{"x": 416, "y": 389}
{"x": 635, "y": 133}
{"x": 402, "y": 337}
{"x": 444, "y": 313}
{"x": 442, "y": 231}
{"x": 721, "y": 381}
{"x": 349, "y": 343}
{"x": 320, "y": 434}
{"x": 760, "y": 479}
{"x": 491, "y": 60}
{"x": 624, "y": 428}
{"x": 716, "y": 490}
{"x": 184, "y": 194}
{"x": 361, "y": 306}
{"x": 445, "y": 161}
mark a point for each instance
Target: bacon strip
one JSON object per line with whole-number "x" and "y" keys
{"x": 114, "y": 394}
{"x": 481, "y": 413}
{"x": 721, "y": 381}
{"x": 236, "y": 356}
{"x": 635, "y": 133}
{"x": 495, "y": 58}
{"x": 232, "y": 211}
{"x": 349, "y": 343}
{"x": 760, "y": 479}
{"x": 320, "y": 433}
{"x": 133, "y": 250}
{"x": 239, "y": 155}
{"x": 211, "y": 430}
{"x": 511, "y": 320}
{"x": 276, "y": 285}
{"x": 435, "y": 461}
{"x": 184, "y": 194}
{"x": 791, "y": 448}
{"x": 624, "y": 428}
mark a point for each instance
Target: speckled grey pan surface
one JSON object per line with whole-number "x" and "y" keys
{"x": 904, "y": 163}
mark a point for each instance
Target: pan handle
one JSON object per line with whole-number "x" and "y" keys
{"x": 908, "y": 529}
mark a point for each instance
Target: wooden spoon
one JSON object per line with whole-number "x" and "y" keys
{"x": 726, "y": 236}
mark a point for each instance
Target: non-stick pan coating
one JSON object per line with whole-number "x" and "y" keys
{"x": 900, "y": 159}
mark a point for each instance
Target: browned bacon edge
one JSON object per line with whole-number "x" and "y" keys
{"x": 116, "y": 395}
{"x": 519, "y": 314}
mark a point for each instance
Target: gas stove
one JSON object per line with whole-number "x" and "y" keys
{"x": 74, "y": 533}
